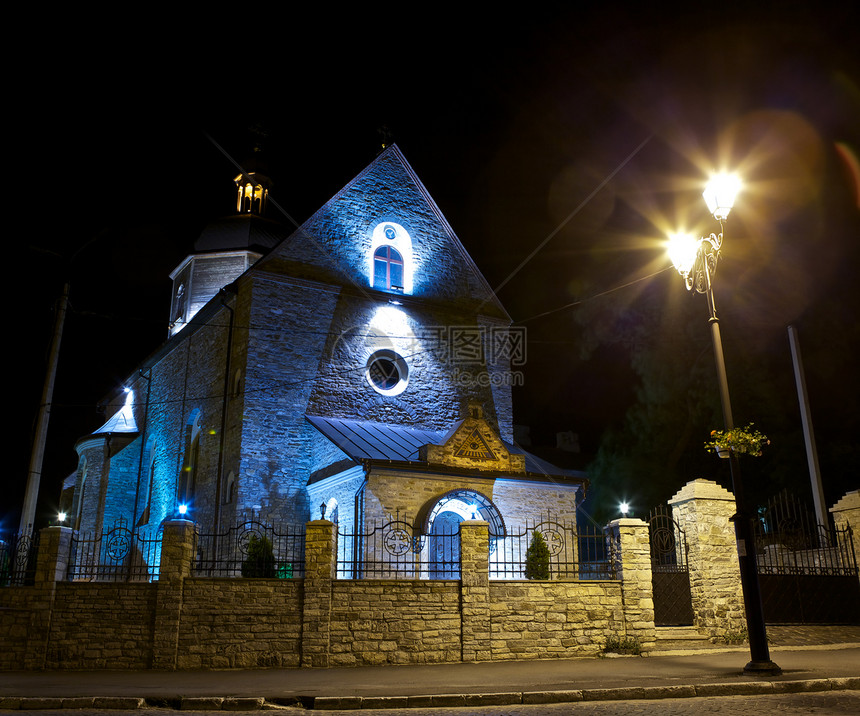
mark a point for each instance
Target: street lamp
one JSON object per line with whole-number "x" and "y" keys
{"x": 696, "y": 261}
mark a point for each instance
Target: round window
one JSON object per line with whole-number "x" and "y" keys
{"x": 387, "y": 372}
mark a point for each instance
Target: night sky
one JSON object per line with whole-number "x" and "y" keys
{"x": 579, "y": 136}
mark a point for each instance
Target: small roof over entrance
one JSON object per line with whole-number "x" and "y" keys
{"x": 380, "y": 441}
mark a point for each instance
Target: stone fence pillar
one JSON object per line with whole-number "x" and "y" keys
{"x": 52, "y": 564}
{"x": 846, "y": 513}
{"x": 704, "y": 510}
{"x": 475, "y": 590}
{"x": 630, "y": 536}
{"x": 178, "y": 549}
{"x": 320, "y": 566}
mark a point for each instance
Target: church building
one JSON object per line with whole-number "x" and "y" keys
{"x": 359, "y": 367}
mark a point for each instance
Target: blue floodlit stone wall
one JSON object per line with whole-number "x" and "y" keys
{"x": 300, "y": 328}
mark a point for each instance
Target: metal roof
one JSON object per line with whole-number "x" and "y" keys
{"x": 380, "y": 441}
{"x": 374, "y": 441}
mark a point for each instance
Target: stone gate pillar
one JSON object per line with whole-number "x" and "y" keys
{"x": 704, "y": 510}
{"x": 178, "y": 549}
{"x": 52, "y": 564}
{"x": 475, "y": 590}
{"x": 320, "y": 566}
{"x": 846, "y": 513}
{"x": 630, "y": 537}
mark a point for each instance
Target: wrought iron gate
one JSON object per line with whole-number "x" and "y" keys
{"x": 807, "y": 571}
{"x": 670, "y": 573}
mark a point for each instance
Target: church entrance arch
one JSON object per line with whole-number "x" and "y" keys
{"x": 442, "y": 528}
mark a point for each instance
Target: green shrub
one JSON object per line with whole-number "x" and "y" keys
{"x": 734, "y": 637}
{"x": 622, "y": 645}
{"x": 537, "y": 558}
{"x": 260, "y": 561}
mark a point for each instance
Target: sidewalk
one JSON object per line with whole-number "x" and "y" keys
{"x": 818, "y": 667}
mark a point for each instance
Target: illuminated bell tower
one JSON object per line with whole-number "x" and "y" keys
{"x": 225, "y": 249}
{"x": 253, "y": 193}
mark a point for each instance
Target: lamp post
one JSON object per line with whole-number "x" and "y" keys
{"x": 696, "y": 261}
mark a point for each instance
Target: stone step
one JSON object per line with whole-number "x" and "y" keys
{"x": 681, "y": 638}
{"x": 679, "y": 632}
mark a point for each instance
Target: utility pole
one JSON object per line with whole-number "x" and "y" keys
{"x": 34, "y": 476}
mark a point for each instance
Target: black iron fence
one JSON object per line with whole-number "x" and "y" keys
{"x": 251, "y": 549}
{"x": 807, "y": 571}
{"x": 571, "y": 553}
{"x": 18, "y": 558}
{"x": 118, "y": 554}
{"x": 394, "y": 551}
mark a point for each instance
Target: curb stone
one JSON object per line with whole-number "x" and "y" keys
{"x": 242, "y": 703}
{"x": 114, "y": 703}
{"x": 327, "y": 703}
{"x": 744, "y": 688}
{"x": 201, "y": 703}
{"x": 552, "y": 697}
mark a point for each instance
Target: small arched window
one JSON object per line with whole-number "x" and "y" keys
{"x": 388, "y": 269}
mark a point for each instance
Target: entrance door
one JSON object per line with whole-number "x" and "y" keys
{"x": 444, "y": 546}
{"x": 670, "y": 573}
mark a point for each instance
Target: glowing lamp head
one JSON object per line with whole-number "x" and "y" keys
{"x": 183, "y": 509}
{"x": 682, "y": 251}
{"x": 61, "y": 517}
{"x": 625, "y": 508}
{"x": 720, "y": 194}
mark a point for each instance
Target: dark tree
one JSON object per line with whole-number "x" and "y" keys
{"x": 260, "y": 561}
{"x": 537, "y": 558}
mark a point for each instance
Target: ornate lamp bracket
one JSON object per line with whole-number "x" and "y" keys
{"x": 705, "y": 265}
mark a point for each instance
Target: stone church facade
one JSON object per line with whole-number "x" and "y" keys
{"x": 359, "y": 367}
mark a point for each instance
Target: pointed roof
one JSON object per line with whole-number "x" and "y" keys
{"x": 122, "y": 421}
{"x": 329, "y": 245}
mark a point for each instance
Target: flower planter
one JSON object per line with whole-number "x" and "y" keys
{"x": 725, "y": 453}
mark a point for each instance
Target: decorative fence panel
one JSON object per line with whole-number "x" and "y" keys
{"x": 251, "y": 549}
{"x": 18, "y": 559}
{"x": 116, "y": 555}
{"x": 393, "y": 551}
{"x": 670, "y": 570}
{"x": 808, "y": 572}
{"x": 573, "y": 553}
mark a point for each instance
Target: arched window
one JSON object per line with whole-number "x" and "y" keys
{"x": 149, "y": 481}
{"x": 388, "y": 269}
{"x": 81, "y": 496}
{"x": 188, "y": 481}
{"x": 390, "y": 258}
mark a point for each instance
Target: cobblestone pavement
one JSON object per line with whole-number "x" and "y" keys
{"x": 811, "y": 634}
{"x": 831, "y": 702}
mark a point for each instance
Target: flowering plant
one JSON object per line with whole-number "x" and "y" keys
{"x": 738, "y": 440}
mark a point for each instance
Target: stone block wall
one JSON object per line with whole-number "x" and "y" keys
{"x": 394, "y": 622}
{"x": 240, "y": 624}
{"x": 555, "y": 619}
{"x": 117, "y": 622}
{"x": 846, "y": 513}
{"x": 185, "y": 622}
{"x": 704, "y": 510}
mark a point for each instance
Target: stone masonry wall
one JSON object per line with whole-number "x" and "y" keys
{"x": 703, "y": 510}
{"x": 846, "y": 513}
{"x": 116, "y": 620}
{"x": 554, "y": 619}
{"x": 187, "y": 622}
{"x": 394, "y": 622}
{"x": 240, "y": 623}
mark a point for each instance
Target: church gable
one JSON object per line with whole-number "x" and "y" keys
{"x": 384, "y": 232}
{"x": 474, "y": 445}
